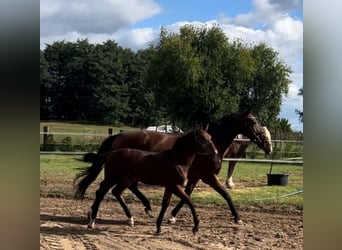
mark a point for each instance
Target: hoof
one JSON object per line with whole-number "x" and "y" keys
{"x": 158, "y": 233}
{"x": 78, "y": 195}
{"x": 230, "y": 185}
{"x": 172, "y": 220}
{"x": 89, "y": 215}
{"x": 195, "y": 230}
{"x": 91, "y": 223}
{"x": 239, "y": 222}
{"x": 149, "y": 212}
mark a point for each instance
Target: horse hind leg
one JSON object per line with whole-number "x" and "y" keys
{"x": 117, "y": 192}
{"x": 186, "y": 199}
{"x": 190, "y": 185}
{"x": 142, "y": 197}
{"x": 105, "y": 185}
{"x": 217, "y": 186}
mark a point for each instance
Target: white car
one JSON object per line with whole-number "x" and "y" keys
{"x": 164, "y": 129}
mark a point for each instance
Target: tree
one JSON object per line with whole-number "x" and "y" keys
{"x": 46, "y": 93}
{"x": 267, "y": 83}
{"x": 142, "y": 106}
{"x": 298, "y": 112}
{"x": 199, "y": 76}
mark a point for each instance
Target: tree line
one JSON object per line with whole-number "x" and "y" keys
{"x": 187, "y": 78}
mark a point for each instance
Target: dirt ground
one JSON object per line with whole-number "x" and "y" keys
{"x": 63, "y": 225}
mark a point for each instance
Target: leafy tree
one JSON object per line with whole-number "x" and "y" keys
{"x": 199, "y": 76}
{"x": 111, "y": 92}
{"x": 267, "y": 83}
{"x": 186, "y": 79}
{"x": 46, "y": 92}
{"x": 298, "y": 112}
{"x": 142, "y": 105}
{"x": 186, "y": 75}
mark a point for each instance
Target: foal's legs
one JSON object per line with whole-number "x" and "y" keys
{"x": 190, "y": 185}
{"x": 215, "y": 184}
{"x": 134, "y": 188}
{"x": 165, "y": 204}
{"x": 186, "y": 199}
{"x": 105, "y": 185}
{"x": 177, "y": 190}
{"x": 117, "y": 192}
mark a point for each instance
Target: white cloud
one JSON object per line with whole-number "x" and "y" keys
{"x": 136, "y": 38}
{"x": 88, "y": 16}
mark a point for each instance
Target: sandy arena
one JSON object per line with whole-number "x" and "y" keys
{"x": 63, "y": 225}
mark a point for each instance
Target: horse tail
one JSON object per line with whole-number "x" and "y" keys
{"x": 91, "y": 157}
{"x": 86, "y": 176}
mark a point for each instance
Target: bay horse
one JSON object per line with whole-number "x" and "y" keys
{"x": 168, "y": 168}
{"x": 223, "y": 131}
{"x": 238, "y": 150}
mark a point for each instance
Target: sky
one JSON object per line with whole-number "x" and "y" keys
{"x": 135, "y": 24}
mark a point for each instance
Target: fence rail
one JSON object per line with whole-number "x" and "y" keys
{"x": 289, "y": 161}
{"x": 284, "y": 161}
{"x": 77, "y": 143}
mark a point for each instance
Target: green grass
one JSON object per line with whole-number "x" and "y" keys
{"x": 57, "y": 173}
{"x": 77, "y": 127}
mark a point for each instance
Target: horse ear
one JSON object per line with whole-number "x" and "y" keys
{"x": 249, "y": 110}
{"x": 206, "y": 127}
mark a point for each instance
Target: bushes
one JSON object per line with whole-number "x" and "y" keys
{"x": 49, "y": 144}
{"x": 67, "y": 145}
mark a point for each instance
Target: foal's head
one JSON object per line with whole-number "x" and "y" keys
{"x": 203, "y": 143}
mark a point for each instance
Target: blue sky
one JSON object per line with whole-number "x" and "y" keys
{"x": 136, "y": 23}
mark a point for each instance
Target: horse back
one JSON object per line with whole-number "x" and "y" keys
{"x": 144, "y": 140}
{"x": 155, "y": 168}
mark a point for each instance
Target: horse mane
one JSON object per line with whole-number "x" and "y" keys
{"x": 180, "y": 139}
{"x": 218, "y": 128}
{"x": 178, "y": 146}
{"x": 267, "y": 133}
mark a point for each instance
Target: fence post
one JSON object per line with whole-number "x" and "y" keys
{"x": 45, "y": 135}
{"x": 110, "y": 131}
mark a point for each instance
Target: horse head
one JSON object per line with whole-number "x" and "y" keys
{"x": 266, "y": 139}
{"x": 204, "y": 143}
{"x": 256, "y": 132}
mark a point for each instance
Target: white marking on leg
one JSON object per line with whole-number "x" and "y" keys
{"x": 230, "y": 183}
{"x": 131, "y": 221}
{"x": 172, "y": 220}
{"x": 239, "y": 222}
{"x": 91, "y": 223}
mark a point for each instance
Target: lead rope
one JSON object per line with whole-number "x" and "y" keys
{"x": 281, "y": 196}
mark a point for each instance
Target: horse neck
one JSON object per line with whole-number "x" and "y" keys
{"x": 222, "y": 134}
{"x": 183, "y": 151}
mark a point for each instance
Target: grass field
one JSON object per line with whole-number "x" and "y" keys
{"x": 89, "y": 131}
{"x": 57, "y": 173}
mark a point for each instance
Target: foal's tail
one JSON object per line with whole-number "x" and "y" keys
{"x": 86, "y": 176}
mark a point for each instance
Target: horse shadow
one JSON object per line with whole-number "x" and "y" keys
{"x": 55, "y": 225}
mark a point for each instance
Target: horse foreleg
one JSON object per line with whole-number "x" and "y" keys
{"x": 186, "y": 199}
{"x": 215, "y": 184}
{"x": 229, "y": 179}
{"x": 134, "y": 188}
{"x": 188, "y": 190}
{"x": 105, "y": 185}
{"x": 117, "y": 192}
{"x": 165, "y": 204}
